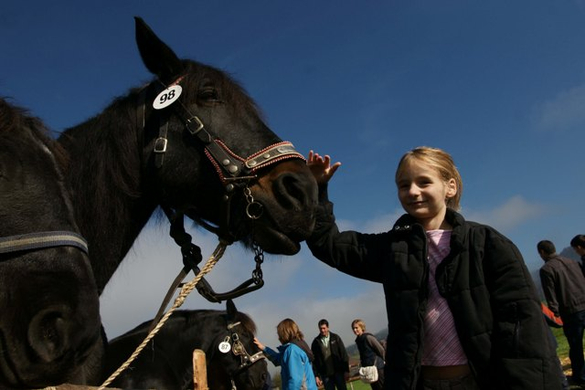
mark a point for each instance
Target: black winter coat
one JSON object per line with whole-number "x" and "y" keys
{"x": 485, "y": 281}
{"x": 338, "y": 353}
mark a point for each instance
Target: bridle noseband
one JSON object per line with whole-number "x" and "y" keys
{"x": 42, "y": 240}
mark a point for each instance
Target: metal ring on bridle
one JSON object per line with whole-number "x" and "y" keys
{"x": 254, "y": 210}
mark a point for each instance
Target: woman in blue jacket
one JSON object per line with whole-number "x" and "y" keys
{"x": 294, "y": 356}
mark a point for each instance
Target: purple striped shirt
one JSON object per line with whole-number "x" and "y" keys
{"x": 441, "y": 344}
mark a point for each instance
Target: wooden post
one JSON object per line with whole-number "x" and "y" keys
{"x": 199, "y": 370}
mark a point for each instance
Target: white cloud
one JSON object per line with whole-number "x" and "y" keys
{"x": 563, "y": 112}
{"x": 512, "y": 213}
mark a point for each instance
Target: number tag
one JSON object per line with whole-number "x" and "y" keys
{"x": 167, "y": 97}
{"x": 224, "y": 347}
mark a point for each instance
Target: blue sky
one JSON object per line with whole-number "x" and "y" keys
{"x": 499, "y": 84}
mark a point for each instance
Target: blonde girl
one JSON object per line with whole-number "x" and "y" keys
{"x": 462, "y": 309}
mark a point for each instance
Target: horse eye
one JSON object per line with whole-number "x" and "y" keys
{"x": 209, "y": 95}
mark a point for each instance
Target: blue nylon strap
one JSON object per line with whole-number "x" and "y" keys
{"x": 40, "y": 240}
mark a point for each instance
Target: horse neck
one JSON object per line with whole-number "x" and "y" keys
{"x": 105, "y": 176}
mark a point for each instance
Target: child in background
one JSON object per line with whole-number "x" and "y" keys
{"x": 371, "y": 351}
{"x": 294, "y": 355}
{"x": 462, "y": 308}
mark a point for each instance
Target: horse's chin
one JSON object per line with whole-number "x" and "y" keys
{"x": 275, "y": 242}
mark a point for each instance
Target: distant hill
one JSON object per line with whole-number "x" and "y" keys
{"x": 570, "y": 253}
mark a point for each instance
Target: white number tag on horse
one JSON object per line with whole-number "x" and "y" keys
{"x": 167, "y": 97}
{"x": 224, "y": 347}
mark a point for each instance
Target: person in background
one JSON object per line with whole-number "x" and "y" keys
{"x": 563, "y": 285}
{"x": 463, "y": 311}
{"x": 578, "y": 245}
{"x": 331, "y": 362}
{"x": 294, "y": 357}
{"x": 371, "y": 351}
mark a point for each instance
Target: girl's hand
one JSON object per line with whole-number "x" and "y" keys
{"x": 259, "y": 344}
{"x": 321, "y": 167}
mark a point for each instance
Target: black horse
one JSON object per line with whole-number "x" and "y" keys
{"x": 167, "y": 361}
{"x": 207, "y": 155}
{"x": 49, "y": 308}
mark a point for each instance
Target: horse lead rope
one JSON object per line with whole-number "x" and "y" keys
{"x": 185, "y": 291}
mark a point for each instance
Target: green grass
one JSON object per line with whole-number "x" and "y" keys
{"x": 358, "y": 385}
{"x": 563, "y": 346}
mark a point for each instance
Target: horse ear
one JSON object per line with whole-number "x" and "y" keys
{"x": 231, "y": 310}
{"x": 158, "y": 58}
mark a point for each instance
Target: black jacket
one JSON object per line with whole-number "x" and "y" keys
{"x": 485, "y": 281}
{"x": 563, "y": 285}
{"x": 338, "y": 352}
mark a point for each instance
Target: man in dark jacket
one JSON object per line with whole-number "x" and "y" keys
{"x": 331, "y": 364}
{"x": 563, "y": 284}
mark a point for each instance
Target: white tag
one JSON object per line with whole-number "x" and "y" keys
{"x": 167, "y": 97}
{"x": 224, "y": 347}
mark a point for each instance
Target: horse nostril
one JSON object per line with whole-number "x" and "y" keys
{"x": 48, "y": 333}
{"x": 293, "y": 191}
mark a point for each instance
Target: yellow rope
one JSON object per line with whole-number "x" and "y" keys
{"x": 185, "y": 291}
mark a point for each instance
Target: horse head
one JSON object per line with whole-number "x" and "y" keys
{"x": 240, "y": 363}
{"x": 49, "y": 326}
{"x": 215, "y": 159}
{"x": 227, "y": 338}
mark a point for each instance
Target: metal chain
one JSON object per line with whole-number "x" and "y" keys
{"x": 259, "y": 259}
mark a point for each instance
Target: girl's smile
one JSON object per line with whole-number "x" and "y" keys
{"x": 423, "y": 193}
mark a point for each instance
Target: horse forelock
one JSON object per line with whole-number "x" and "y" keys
{"x": 232, "y": 91}
{"x": 246, "y": 322}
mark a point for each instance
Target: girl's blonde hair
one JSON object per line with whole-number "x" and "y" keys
{"x": 442, "y": 162}
{"x": 359, "y": 323}
{"x": 288, "y": 331}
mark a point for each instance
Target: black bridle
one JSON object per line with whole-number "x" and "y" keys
{"x": 234, "y": 172}
{"x": 238, "y": 349}
{"x": 41, "y": 240}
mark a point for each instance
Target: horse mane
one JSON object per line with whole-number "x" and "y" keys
{"x": 14, "y": 119}
{"x": 192, "y": 317}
